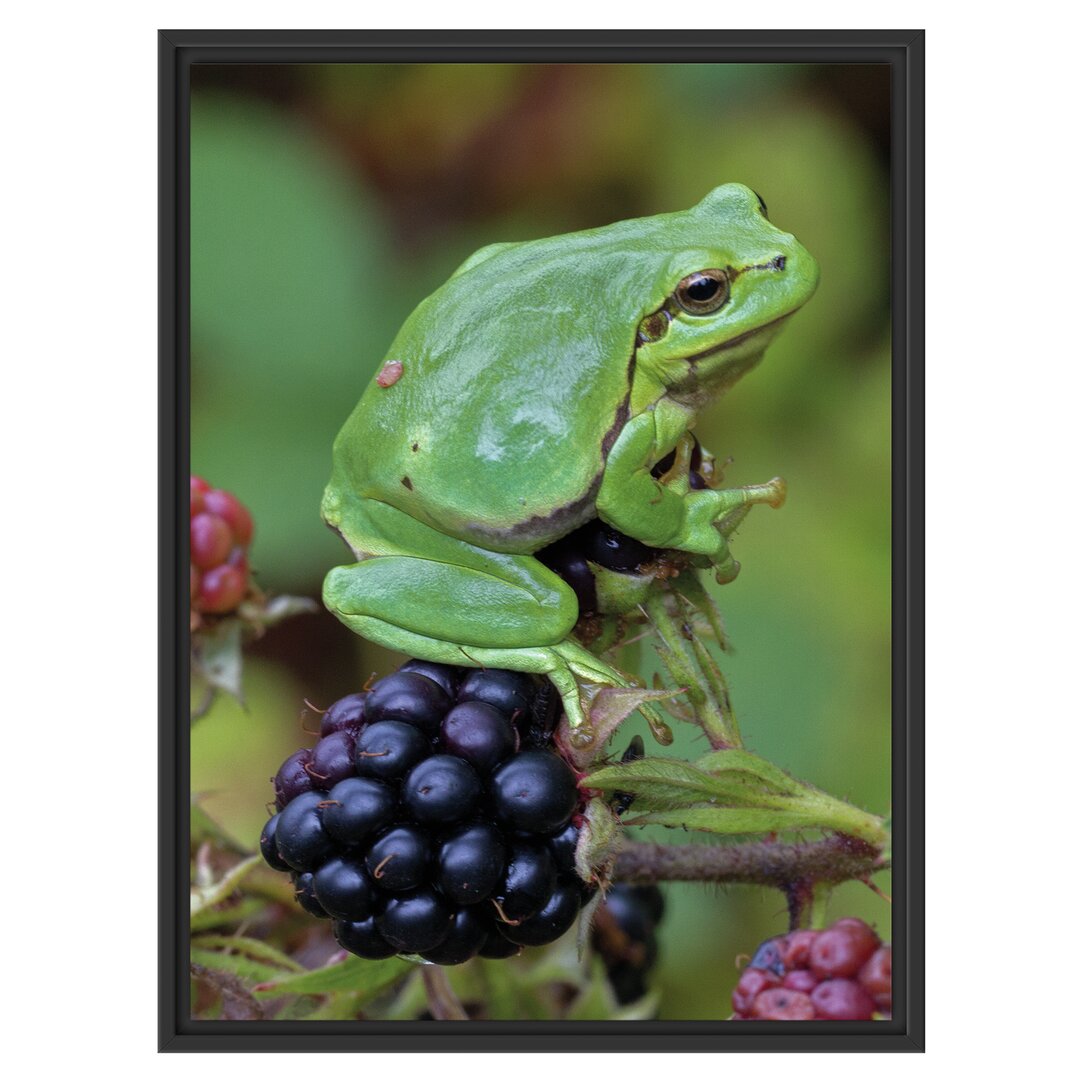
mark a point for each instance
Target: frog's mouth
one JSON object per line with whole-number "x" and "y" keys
{"x": 735, "y": 342}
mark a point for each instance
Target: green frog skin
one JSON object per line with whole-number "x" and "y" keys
{"x": 535, "y": 390}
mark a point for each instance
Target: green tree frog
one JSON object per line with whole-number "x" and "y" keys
{"x": 535, "y": 390}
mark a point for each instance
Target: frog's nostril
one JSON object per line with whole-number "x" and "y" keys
{"x": 779, "y": 262}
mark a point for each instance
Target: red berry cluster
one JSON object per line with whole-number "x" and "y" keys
{"x": 221, "y": 531}
{"x": 841, "y": 973}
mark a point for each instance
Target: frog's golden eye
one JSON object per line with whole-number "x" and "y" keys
{"x": 703, "y": 292}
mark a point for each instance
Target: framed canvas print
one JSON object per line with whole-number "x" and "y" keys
{"x": 549, "y": 408}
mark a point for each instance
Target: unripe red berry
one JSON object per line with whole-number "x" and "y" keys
{"x": 751, "y": 983}
{"x": 221, "y": 590}
{"x": 781, "y": 1004}
{"x": 875, "y": 976}
{"x": 795, "y": 948}
{"x": 229, "y": 508}
{"x": 841, "y": 950}
{"x": 211, "y": 541}
{"x": 842, "y": 999}
{"x": 800, "y": 979}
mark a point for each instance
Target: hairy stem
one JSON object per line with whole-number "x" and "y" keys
{"x": 834, "y": 859}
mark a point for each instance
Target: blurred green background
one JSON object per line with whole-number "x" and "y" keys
{"x": 327, "y": 201}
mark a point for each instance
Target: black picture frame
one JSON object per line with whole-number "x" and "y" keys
{"x": 903, "y": 50}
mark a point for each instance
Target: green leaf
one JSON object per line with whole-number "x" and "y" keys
{"x": 207, "y": 896}
{"x": 244, "y": 967}
{"x": 218, "y": 657}
{"x": 350, "y": 976}
{"x": 213, "y": 918}
{"x": 250, "y": 947}
{"x": 732, "y": 821}
{"x": 742, "y": 761}
{"x": 668, "y": 783}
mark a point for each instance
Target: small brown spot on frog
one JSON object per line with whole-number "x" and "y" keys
{"x": 407, "y": 482}
{"x": 391, "y": 371}
{"x": 415, "y": 447}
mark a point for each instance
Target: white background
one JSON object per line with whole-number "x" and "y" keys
{"x": 78, "y": 428}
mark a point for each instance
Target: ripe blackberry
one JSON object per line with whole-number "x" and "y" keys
{"x": 469, "y": 930}
{"x": 409, "y": 697}
{"x": 304, "y": 885}
{"x": 527, "y": 884}
{"x": 292, "y": 778}
{"x": 268, "y": 845}
{"x": 840, "y": 973}
{"x": 479, "y": 733}
{"x": 363, "y": 939}
{"x": 534, "y": 792}
{"x": 220, "y": 532}
{"x": 332, "y": 760}
{"x": 442, "y": 790}
{"x": 416, "y": 922}
{"x": 551, "y": 921}
{"x": 429, "y": 818}
{"x": 470, "y": 863}
{"x": 624, "y": 936}
{"x": 357, "y": 808}
{"x": 511, "y": 692}
{"x": 301, "y": 839}
{"x": 388, "y": 750}
{"x": 346, "y": 714}
{"x": 398, "y": 860}
{"x": 446, "y": 676}
{"x": 344, "y": 889}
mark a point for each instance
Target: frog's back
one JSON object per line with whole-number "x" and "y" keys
{"x": 510, "y": 393}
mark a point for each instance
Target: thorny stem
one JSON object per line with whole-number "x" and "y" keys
{"x": 834, "y": 859}
{"x": 442, "y": 1001}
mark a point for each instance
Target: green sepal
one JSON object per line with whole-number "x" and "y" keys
{"x": 617, "y": 592}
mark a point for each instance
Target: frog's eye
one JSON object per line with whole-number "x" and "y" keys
{"x": 764, "y": 208}
{"x": 703, "y": 292}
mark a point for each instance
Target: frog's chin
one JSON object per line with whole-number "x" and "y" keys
{"x": 712, "y": 372}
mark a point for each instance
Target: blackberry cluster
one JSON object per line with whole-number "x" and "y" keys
{"x": 221, "y": 529}
{"x": 600, "y": 543}
{"x": 624, "y": 937}
{"x": 841, "y": 973}
{"x": 432, "y": 817}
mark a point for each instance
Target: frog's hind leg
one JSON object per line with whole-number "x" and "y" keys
{"x": 459, "y": 604}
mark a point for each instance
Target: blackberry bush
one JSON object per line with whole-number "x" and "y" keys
{"x": 433, "y": 817}
{"x": 843, "y": 972}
